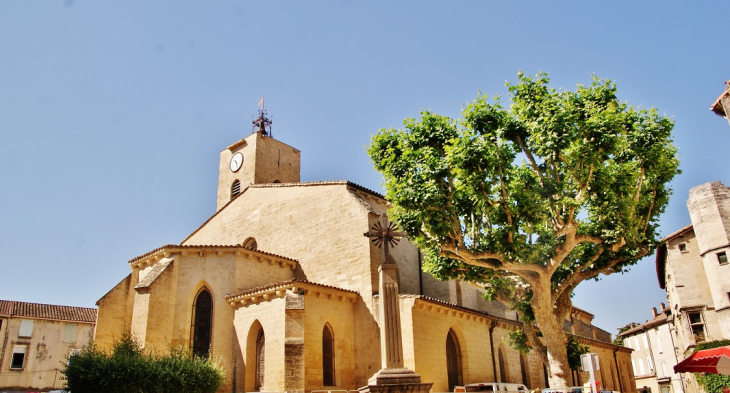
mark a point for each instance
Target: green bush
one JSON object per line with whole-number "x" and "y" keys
{"x": 128, "y": 369}
{"x": 713, "y": 383}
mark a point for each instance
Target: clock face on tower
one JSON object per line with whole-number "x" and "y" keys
{"x": 236, "y": 162}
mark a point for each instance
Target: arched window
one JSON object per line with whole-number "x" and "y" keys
{"x": 202, "y": 323}
{"x": 328, "y": 356}
{"x": 525, "y": 370}
{"x": 453, "y": 360}
{"x": 260, "y": 347}
{"x": 502, "y": 367}
{"x": 547, "y": 377}
{"x": 235, "y": 188}
{"x": 250, "y": 243}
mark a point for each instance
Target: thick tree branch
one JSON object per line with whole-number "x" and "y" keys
{"x": 647, "y": 218}
{"x": 505, "y": 204}
{"x": 534, "y": 341}
{"x": 528, "y": 153}
{"x": 639, "y": 184}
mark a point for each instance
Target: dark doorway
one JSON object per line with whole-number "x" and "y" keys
{"x": 453, "y": 360}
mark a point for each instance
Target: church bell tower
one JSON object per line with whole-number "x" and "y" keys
{"x": 256, "y": 159}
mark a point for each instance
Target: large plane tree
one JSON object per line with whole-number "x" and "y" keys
{"x": 530, "y": 200}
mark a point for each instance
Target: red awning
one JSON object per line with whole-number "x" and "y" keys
{"x": 715, "y": 361}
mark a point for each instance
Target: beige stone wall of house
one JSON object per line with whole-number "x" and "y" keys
{"x": 684, "y": 271}
{"x": 696, "y": 269}
{"x": 653, "y": 358}
{"x": 709, "y": 207}
{"x": 46, "y": 350}
{"x": 688, "y": 291}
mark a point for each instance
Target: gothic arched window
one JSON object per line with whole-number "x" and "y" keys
{"x": 453, "y": 360}
{"x": 328, "y": 356}
{"x": 502, "y": 367}
{"x": 260, "y": 351}
{"x": 235, "y": 188}
{"x": 525, "y": 370}
{"x": 202, "y": 323}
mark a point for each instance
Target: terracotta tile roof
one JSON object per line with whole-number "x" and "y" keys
{"x": 580, "y": 310}
{"x": 319, "y": 183}
{"x": 601, "y": 344}
{"x": 47, "y": 311}
{"x": 663, "y": 317}
{"x": 280, "y": 284}
{"x": 193, "y": 246}
{"x": 6, "y": 307}
{"x": 679, "y": 232}
{"x": 717, "y": 106}
{"x": 464, "y": 309}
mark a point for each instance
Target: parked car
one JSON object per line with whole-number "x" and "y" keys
{"x": 571, "y": 389}
{"x": 492, "y": 387}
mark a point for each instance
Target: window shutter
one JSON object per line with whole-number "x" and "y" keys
{"x": 69, "y": 334}
{"x": 26, "y": 328}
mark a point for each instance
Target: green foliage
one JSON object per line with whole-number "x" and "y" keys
{"x": 713, "y": 382}
{"x": 619, "y": 340}
{"x": 574, "y": 352}
{"x": 518, "y": 341}
{"x": 712, "y": 344}
{"x": 128, "y": 369}
{"x": 532, "y": 198}
{"x": 501, "y": 180}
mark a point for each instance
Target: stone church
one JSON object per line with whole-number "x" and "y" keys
{"x": 281, "y": 287}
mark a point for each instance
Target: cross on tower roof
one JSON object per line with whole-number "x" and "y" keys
{"x": 384, "y": 234}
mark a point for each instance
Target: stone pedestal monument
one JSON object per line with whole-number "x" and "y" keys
{"x": 393, "y": 376}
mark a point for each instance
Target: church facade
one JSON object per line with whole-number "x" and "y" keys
{"x": 281, "y": 287}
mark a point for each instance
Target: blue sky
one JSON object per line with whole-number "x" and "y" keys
{"x": 112, "y": 114}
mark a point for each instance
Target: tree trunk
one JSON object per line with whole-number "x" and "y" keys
{"x": 560, "y": 376}
{"x": 555, "y": 339}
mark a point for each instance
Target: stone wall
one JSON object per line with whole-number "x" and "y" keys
{"x": 265, "y": 160}
{"x": 46, "y": 351}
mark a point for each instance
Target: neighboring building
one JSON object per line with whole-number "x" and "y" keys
{"x": 36, "y": 339}
{"x": 692, "y": 266}
{"x": 654, "y": 354}
{"x": 721, "y": 106}
{"x": 281, "y": 286}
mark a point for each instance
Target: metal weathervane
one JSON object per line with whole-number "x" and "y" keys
{"x": 262, "y": 122}
{"x": 384, "y": 234}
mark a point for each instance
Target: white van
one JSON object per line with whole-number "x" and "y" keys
{"x": 496, "y": 387}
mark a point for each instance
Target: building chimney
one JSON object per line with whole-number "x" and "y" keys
{"x": 653, "y": 310}
{"x": 663, "y": 306}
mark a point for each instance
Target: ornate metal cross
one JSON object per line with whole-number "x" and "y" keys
{"x": 384, "y": 234}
